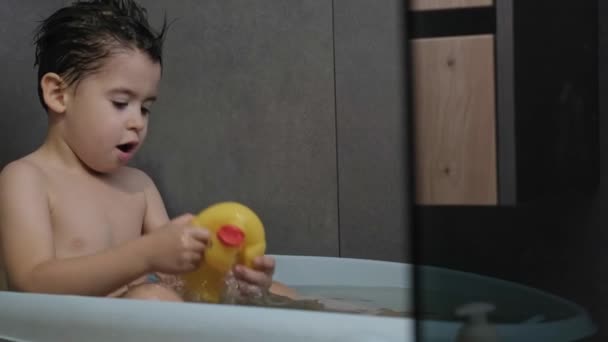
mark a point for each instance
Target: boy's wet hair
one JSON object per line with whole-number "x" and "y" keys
{"x": 74, "y": 41}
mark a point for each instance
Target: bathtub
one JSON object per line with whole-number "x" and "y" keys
{"x": 33, "y": 317}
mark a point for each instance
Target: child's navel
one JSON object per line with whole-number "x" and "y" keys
{"x": 77, "y": 244}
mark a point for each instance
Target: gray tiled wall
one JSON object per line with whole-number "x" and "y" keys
{"x": 370, "y": 88}
{"x": 247, "y": 112}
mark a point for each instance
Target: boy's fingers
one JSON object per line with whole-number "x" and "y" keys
{"x": 269, "y": 263}
{"x": 264, "y": 263}
{"x": 194, "y": 258}
{"x": 199, "y": 234}
{"x": 249, "y": 289}
{"x": 197, "y": 246}
{"x": 251, "y": 276}
{"x": 183, "y": 219}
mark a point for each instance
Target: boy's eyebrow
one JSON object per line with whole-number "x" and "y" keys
{"x": 131, "y": 93}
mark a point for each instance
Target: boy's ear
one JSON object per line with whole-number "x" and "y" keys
{"x": 54, "y": 92}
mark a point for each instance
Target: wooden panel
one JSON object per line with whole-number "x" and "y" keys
{"x": 371, "y": 118}
{"x": 421, "y": 5}
{"x": 454, "y": 114}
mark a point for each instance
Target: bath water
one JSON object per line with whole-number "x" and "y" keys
{"x": 434, "y": 304}
{"x": 441, "y": 304}
{"x": 378, "y": 301}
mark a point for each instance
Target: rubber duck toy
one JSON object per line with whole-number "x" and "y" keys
{"x": 237, "y": 237}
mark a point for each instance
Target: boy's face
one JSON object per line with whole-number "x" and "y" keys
{"x": 106, "y": 116}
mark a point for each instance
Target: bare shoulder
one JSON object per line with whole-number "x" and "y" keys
{"x": 23, "y": 184}
{"x": 21, "y": 173}
{"x": 134, "y": 178}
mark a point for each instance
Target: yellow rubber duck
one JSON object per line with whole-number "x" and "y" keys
{"x": 237, "y": 237}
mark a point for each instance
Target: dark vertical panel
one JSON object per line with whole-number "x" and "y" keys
{"x": 246, "y": 113}
{"x": 505, "y": 104}
{"x": 555, "y": 58}
{"x": 23, "y": 120}
{"x": 547, "y": 98}
{"x": 370, "y": 107}
{"x": 599, "y": 239}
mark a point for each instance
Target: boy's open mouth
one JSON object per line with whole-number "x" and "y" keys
{"x": 128, "y": 147}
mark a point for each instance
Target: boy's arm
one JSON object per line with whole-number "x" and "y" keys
{"x": 155, "y": 217}
{"x": 156, "y": 214}
{"x": 28, "y": 251}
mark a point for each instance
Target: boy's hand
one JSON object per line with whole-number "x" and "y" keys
{"x": 178, "y": 247}
{"x": 257, "y": 280}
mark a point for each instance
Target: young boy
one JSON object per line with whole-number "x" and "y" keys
{"x": 74, "y": 219}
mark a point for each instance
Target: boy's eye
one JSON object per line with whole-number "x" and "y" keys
{"x": 145, "y": 111}
{"x": 120, "y": 105}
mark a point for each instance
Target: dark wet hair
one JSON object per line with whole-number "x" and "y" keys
{"x": 74, "y": 41}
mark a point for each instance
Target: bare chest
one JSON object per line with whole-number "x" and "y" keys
{"x": 91, "y": 216}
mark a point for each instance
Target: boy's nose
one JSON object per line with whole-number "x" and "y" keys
{"x": 136, "y": 122}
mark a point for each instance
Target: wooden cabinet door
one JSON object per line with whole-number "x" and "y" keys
{"x": 454, "y": 120}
